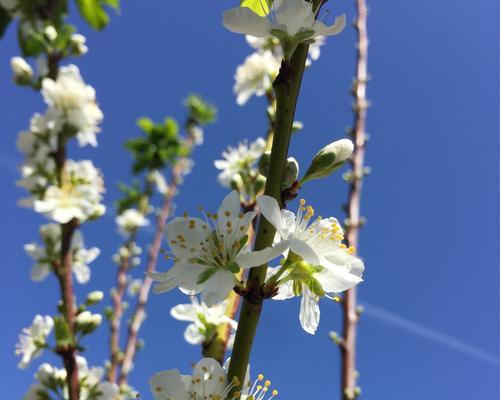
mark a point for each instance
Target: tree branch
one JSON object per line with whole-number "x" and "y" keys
{"x": 350, "y": 317}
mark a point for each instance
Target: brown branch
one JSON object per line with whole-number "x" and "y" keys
{"x": 350, "y": 317}
{"x": 140, "y": 310}
{"x": 115, "y": 323}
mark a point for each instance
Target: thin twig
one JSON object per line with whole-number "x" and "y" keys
{"x": 140, "y": 310}
{"x": 350, "y": 317}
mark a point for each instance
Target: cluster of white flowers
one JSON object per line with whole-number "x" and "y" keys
{"x": 32, "y": 340}
{"x": 204, "y": 321}
{"x": 208, "y": 381}
{"x": 316, "y": 262}
{"x": 130, "y": 252}
{"x": 73, "y": 104}
{"x": 47, "y": 256}
{"x": 51, "y": 381}
{"x": 240, "y": 161}
{"x": 79, "y": 196}
{"x": 129, "y": 220}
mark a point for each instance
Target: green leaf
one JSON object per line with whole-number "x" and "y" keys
{"x": 260, "y": 7}
{"x": 30, "y": 46}
{"x": 4, "y": 21}
{"x": 93, "y": 12}
{"x": 145, "y": 124}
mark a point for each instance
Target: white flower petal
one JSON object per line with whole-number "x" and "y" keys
{"x": 244, "y": 20}
{"x": 192, "y": 335}
{"x": 303, "y": 249}
{"x": 337, "y": 27}
{"x": 261, "y": 257}
{"x": 217, "y": 287}
{"x": 184, "y": 312}
{"x": 271, "y": 211}
{"x": 168, "y": 384}
{"x": 309, "y": 311}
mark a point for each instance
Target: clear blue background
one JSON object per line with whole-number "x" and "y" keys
{"x": 431, "y": 202}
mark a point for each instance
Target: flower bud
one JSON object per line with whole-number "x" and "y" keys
{"x": 86, "y": 322}
{"x": 328, "y": 159}
{"x": 50, "y": 33}
{"x": 94, "y": 297}
{"x": 77, "y": 44}
{"x": 263, "y": 164}
{"x": 291, "y": 173}
{"x": 237, "y": 182}
{"x": 23, "y": 73}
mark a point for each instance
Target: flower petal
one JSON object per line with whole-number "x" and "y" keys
{"x": 243, "y": 20}
{"x": 303, "y": 249}
{"x": 309, "y": 311}
{"x": 337, "y": 27}
{"x": 217, "y": 287}
{"x": 211, "y": 375}
{"x": 271, "y": 211}
{"x": 184, "y": 312}
{"x": 260, "y": 257}
{"x": 168, "y": 384}
{"x": 192, "y": 335}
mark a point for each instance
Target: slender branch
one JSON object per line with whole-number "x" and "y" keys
{"x": 350, "y": 317}
{"x": 140, "y": 310}
{"x": 286, "y": 88}
{"x": 119, "y": 293}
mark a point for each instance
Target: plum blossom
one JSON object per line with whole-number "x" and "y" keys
{"x": 32, "y": 340}
{"x": 239, "y": 160}
{"x": 79, "y": 196}
{"x": 255, "y": 76}
{"x": 207, "y": 256}
{"x": 204, "y": 321}
{"x": 48, "y": 255}
{"x": 208, "y": 381}
{"x": 74, "y": 103}
{"x": 129, "y": 220}
{"x": 317, "y": 262}
{"x": 291, "y": 21}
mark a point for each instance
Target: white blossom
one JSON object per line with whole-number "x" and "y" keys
{"x": 160, "y": 182}
{"x": 78, "y": 42}
{"x": 208, "y": 257}
{"x": 129, "y": 220}
{"x": 75, "y": 103}
{"x": 291, "y": 21}
{"x": 50, "y": 33}
{"x": 48, "y": 255}
{"x": 255, "y": 76}
{"x": 79, "y": 196}
{"x": 238, "y": 160}
{"x": 317, "y": 264}
{"x": 204, "y": 320}
{"x": 32, "y": 340}
{"x": 133, "y": 287}
{"x": 208, "y": 381}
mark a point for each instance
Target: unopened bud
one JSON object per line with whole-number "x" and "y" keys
{"x": 237, "y": 182}
{"x": 77, "y": 43}
{"x": 86, "y": 322}
{"x": 94, "y": 297}
{"x": 22, "y": 71}
{"x": 328, "y": 159}
{"x": 291, "y": 173}
{"x": 263, "y": 165}
{"x": 260, "y": 183}
{"x": 50, "y": 33}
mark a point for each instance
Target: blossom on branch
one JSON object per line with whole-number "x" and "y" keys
{"x": 317, "y": 262}
{"x": 129, "y": 220}
{"x": 291, "y": 21}
{"x": 32, "y": 340}
{"x": 47, "y": 256}
{"x": 204, "y": 321}
{"x": 208, "y": 381}
{"x": 208, "y": 255}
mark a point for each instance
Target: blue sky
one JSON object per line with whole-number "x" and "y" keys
{"x": 430, "y": 245}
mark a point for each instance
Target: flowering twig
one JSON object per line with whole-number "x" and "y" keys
{"x": 286, "y": 88}
{"x": 350, "y": 315}
{"x": 140, "y": 310}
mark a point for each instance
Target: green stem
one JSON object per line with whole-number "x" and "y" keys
{"x": 286, "y": 88}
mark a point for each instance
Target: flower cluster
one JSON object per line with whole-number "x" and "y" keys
{"x": 204, "y": 321}
{"x": 129, "y": 220}
{"x": 51, "y": 383}
{"x": 129, "y": 252}
{"x": 47, "y": 256}
{"x": 32, "y": 340}
{"x": 208, "y": 381}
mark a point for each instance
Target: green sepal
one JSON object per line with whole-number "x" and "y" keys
{"x": 61, "y": 332}
{"x": 205, "y": 275}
